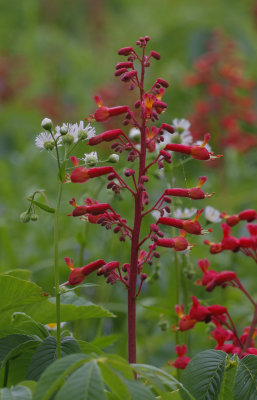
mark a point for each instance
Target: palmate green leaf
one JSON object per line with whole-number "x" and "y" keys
{"x": 16, "y": 393}
{"x": 89, "y": 348}
{"x": 81, "y": 377}
{"x": 46, "y": 354}
{"x": 170, "y": 395}
{"x": 13, "y": 345}
{"x": 204, "y": 374}
{"x": 246, "y": 379}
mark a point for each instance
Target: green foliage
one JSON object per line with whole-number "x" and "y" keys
{"x": 16, "y": 393}
{"x": 246, "y": 379}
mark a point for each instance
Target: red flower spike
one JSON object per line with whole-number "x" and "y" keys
{"x": 106, "y": 136}
{"x": 83, "y": 174}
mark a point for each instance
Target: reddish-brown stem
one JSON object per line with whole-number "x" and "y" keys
{"x": 124, "y": 183}
{"x": 133, "y": 271}
{"x": 152, "y": 163}
{"x": 240, "y": 286}
{"x": 131, "y": 144}
{"x": 252, "y": 328}
{"x": 154, "y": 207}
{"x": 234, "y": 329}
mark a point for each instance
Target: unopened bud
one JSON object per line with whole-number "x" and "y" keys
{"x": 63, "y": 130}
{"x": 47, "y": 124}
{"x": 114, "y": 158}
{"x": 49, "y": 145}
{"x": 82, "y": 135}
{"x": 25, "y": 217}
{"x": 68, "y": 139}
{"x": 34, "y": 217}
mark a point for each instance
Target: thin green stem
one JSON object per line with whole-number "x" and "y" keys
{"x": 57, "y": 280}
{"x": 6, "y": 372}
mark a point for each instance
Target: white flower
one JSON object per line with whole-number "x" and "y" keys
{"x": 114, "y": 158}
{"x": 181, "y": 125}
{"x": 77, "y": 130}
{"x": 186, "y": 138}
{"x": 90, "y": 159}
{"x": 156, "y": 214}
{"x": 134, "y": 134}
{"x": 212, "y": 215}
{"x": 186, "y": 213}
{"x": 200, "y": 142}
{"x": 43, "y": 139}
{"x": 53, "y": 326}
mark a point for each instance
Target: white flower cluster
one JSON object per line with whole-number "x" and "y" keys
{"x": 67, "y": 133}
{"x": 183, "y": 214}
{"x": 212, "y": 215}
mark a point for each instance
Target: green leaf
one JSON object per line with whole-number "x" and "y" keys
{"x": 23, "y": 323}
{"x": 105, "y": 341}
{"x": 84, "y": 384}
{"x": 43, "y": 206}
{"x": 16, "y": 393}
{"x": 13, "y": 345}
{"x": 114, "y": 381}
{"x": 170, "y": 396}
{"x": 19, "y": 273}
{"x": 54, "y": 376}
{"x": 226, "y": 391}
{"x": 158, "y": 378}
{"x": 139, "y": 391}
{"x": 204, "y": 374}
{"x": 46, "y": 355}
{"x": 18, "y": 295}
{"x": 88, "y": 348}
{"x": 246, "y": 379}
{"x": 29, "y": 384}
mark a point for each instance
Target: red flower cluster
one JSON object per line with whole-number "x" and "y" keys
{"x": 245, "y": 244}
{"x": 225, "y": 105}
{"x": 182, "y": 360}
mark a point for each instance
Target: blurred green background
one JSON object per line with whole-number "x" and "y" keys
{"x": 54, "y": 57}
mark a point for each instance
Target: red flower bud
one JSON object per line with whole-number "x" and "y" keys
{"x": 125, "y": 51}
{"x": 125, "y": 64}
{"x": 198, "y": 312}
{"x": 82, "y": 174}
{"x": 106, "y": 269}
{"x": 129, "y": 75}
{"x": 120, "y": 71}
{"x": 155, "y": 55}
{"x": 162, "y": 82}
{"x": 167, "y": 127}
{"x": 225, "y": 276}
{"x": 106, "y": 136}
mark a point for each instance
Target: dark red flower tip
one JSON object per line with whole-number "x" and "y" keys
{"x": 162, "y": 82}
{"x": 248, "y": 215}
{"x": 167, "y": 127}
{"x": 107, "y": 268}
{"x": 155, "y": 55}
{"x": 126, "y": 64}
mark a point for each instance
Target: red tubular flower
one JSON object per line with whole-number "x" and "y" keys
{"x": 225, "y": 276}
{"x": 182, "y": 360}
{"x": 228, "y": 242}
{"x": 94, "y": 209}
{"x": 198, "y": 312}
{"x": 106, "y": 136}
{"x": 83, "y": 174}
{"x": 186, "y": 323}
{"x": 195, "y": 151}
{"x": 231, "y": 220}
{"x": 126, "y": 64}
{"x": 106, "y": 269}
{"x": 77, "y": 275}
{"x": 178, "y": 243}
{"x": 104, "y": 113}
{"x": 155, "y": 55}
{"x": 195, "y": 193}
{"x": 248, "y": 215}
{"x": 246, "y": 242}
{"x": 191, "y": 225}
{"x": 208, "y": 274}
{"x": 162, "y": 82}
{"x": 215, "y": 248}
{"x": 216, "y": 309}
